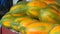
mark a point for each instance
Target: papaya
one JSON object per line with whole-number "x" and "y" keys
{"x": 33, "y": 17}
{"x": 16, "y": 22}
{"x": 20, "y": 22}
{"x": 38, "y": 28}
{"x": 24, "y": 24}
{"x": 18, "y": 8}
{"x": 7, "y": 20}
{"x": 34, "y": 7}
{"x": 49, "y": 15}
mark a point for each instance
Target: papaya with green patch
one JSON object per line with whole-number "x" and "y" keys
{"x": 49, "y": 15}
{"x": 18, "y": 8}
{"x": 38, "y": 28}
{"x": 7, "y": 20}
{"x": 34, "y": 7}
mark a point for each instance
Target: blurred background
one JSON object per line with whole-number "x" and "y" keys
{"x": 5, "y": 5}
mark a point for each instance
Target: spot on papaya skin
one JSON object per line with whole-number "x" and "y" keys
{"x": 17, "y": 14}
{"x": 50, "y": 19}
{"x": 7, "y": 23}
{"x": 33, "y": 12}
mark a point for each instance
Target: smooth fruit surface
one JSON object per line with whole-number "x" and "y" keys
{"x": 38, "y": 28}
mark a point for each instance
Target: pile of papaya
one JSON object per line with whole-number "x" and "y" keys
{"x": 34, "y": 17}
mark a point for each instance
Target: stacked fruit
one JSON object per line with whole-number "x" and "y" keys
{"x": 34, "y": 17}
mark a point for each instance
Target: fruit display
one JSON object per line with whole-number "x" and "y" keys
{"x": 34, "y": 17}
